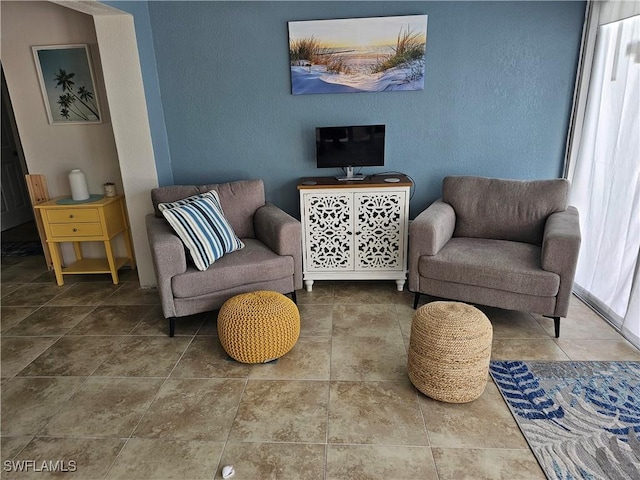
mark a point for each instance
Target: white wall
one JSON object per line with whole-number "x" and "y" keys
{"x": 53, "y": 150}
{"x": 119, "y": 149}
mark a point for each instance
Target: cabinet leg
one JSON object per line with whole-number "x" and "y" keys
{"x": 400, "y": 284}
{"x": 54, "y": 249}
{"x": 112, "y": 262}
{"x": 308, "y": 285}
{"x": 77, "y": 249}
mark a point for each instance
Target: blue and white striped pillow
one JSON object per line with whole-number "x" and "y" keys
{"x": 202, "y": 227}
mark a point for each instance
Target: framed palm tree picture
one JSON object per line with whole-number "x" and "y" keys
{"x": 67, "y": 83}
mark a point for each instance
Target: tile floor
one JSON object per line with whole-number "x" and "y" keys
{"x": 89, "y": 375}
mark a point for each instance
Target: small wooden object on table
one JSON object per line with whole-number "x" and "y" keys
{"x": 98, "y": 221}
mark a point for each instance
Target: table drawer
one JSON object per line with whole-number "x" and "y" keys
{"x": 76, "y": 230}
{"x": 73, "y": 215}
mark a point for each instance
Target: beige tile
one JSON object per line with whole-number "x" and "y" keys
{"x": 11, "y": 316}
{"x": 309, "y": 359}
{"x": 154, "y": 323}
{"x": 405, "y": 318}
{"x": 130, "y": 293}
{"x": 273, "y": 461}
{"x": 159, "y": 459}
{"x": 110, "y": 320}
{"x": 104, "y": 407}
{"x": 282, "y": 411}
{"x": 365, "y": 320}
{"x": 22, "y": 273}
{"x": 18, "y": 352}
{"x": 192, "y": 409}
{"x": 85, "y": 294}
{"x": 73, "y": 355}
{"x": 7, "y": 288}
{"x": 375, "y": 413}
{"x": 614, "y": 350}
{"x": 83, "y": 458}
{"x": 484, "y": 423}
{"x": 144, "y": 357}
{"x": 587, "y": 327}
{"x": 367, "y": 292}
{"x": 11, "y": 446}
{"x": 208, "y": 321}
{"x": 489, "y": 464}
{"x": 526, "y": 349}
{"x": 579, "y": 308}
{"x": 368, "y": 358}
{"x": 321, "y": 294}
{"x": 205, "y": 358}
{"x": 315, "y": 321}
{"x": 28, "y": 403}
{"x": 50, "y": 321}
{"x": 347, "y": 462}
{"x": 32, "y": 295}
{"x": 513, "y": 324}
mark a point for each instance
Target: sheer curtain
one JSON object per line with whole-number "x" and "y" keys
{"x": 606, "y": 179}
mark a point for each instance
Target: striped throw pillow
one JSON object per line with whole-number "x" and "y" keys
{"x": 202, "y": 227}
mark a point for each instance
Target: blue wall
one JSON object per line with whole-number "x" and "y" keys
{"x": 497, "y": 98}
{"x": 144, "y": 38}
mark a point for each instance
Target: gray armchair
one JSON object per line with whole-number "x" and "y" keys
{"x": 270, "y": 260}
{"x": 504, "y": 243}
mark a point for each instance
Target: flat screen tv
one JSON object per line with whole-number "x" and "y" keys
{"x": 350, "y": 146}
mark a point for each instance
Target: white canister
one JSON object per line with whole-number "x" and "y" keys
{"x": 78, "y": 183}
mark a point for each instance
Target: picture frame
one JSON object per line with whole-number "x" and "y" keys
{"x": 355, "y": 55}
{"x": 67, "y": 83}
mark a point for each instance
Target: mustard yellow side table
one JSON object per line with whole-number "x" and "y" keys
{"x": 97, "y": 221}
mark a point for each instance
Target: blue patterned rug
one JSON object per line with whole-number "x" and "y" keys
{"x": 581, "y": 419}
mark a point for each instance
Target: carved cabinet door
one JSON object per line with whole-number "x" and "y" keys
{"x": 379, "y": 230}
{"x": 328, "y": 226}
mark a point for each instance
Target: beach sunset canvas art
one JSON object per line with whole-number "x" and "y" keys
{"x": 378, "y": 54}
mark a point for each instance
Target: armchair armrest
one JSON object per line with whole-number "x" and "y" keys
{"x": 428, "y": 233}
{"x": 169, "y": 259}
{"x": 281, "y": 233}
{"x": 560, "y": 247}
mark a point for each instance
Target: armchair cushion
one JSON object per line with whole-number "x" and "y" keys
{"x": 496, "y": 264}
{"x": 504, "y": 209}
{"x": 202, "y": 226}
{"x": 256, "y": 262}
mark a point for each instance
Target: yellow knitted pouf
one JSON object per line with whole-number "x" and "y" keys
{"x": 449, "y": 351}
{"x": 259, "y": 326}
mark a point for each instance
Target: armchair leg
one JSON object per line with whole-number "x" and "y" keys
{"x": 416, "y": 300}
{"x": 556, "y": 324}
{"x": 172, "y": 326}
{"x": 294, "y": 297}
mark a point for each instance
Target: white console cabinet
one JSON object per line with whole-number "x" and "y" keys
{"x": 354, "y": 230}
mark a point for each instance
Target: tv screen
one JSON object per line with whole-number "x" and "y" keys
{"x": 353, "y": 146}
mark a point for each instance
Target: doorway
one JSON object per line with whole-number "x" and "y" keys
{"x": 16, "y": 207}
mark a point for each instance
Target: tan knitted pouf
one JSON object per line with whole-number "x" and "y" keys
{"x": 259, "y": 326}
{"x": 449, "y": 351}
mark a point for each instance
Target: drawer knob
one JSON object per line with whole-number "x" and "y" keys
{"x": 75, "y": 229}
{"x": 71, "y": 216}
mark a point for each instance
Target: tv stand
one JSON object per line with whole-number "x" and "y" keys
{"x": 354, "y": 230}
{"x": 349, "y": 176}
